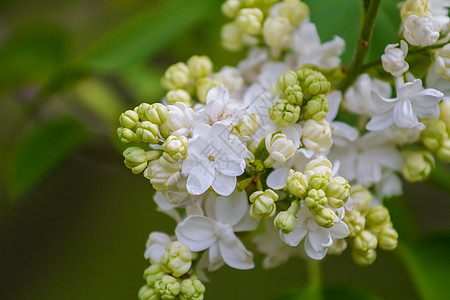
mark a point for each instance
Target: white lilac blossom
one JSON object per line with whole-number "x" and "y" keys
{"x": 394, "y": 59}
{"x": 216, "y": 232}
{"x": 215, "y": 158}
{"x": 421, "y": 31}
{"x": 412, "y": 102}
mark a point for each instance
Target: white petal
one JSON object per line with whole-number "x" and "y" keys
{"x": 277, "y": 178}
{"x": 196, "y": 232}
{"x": 235, "y": 255}
{"x": 215, "y": 259}
{"x": 223, "y": 184}
{"x": 334, "y": 100}
{"x": 231, "y": 209}
{"x": 231, "y": 167}
{"x": 247, "y": 223}
{"x": 404, "y": 115}
{"x": 339, "y": 230}
{"x": 294, "y": 237}
{"x": 380, "y": 121}
{"x": 200, "y": 179}
{"x": 313, "y": 253}
{"x": 319, "y": 239}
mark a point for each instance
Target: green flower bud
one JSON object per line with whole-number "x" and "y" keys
{"x": 312, "y": 82}
{"x": 283, "y": 113}
{"x": 319, "y": 181}
{"x": 153, "y": 274}
{"x": 135, "y": 159}
{"x": 176, "y": 77}
{"x": 362, "y": 198}
{"x": 146, "y": 293}
{"x": 141, "y": 110}
{"x": 286, "y": 80}
{"x": 339, "y": 246}
{"x": 319, "y": 166}
{"x": 418, "y": 8}
{"x": 157, "y": 113}
{"x": 378, "y": 218}
{"x": 297, "y": 183}
{"x": 126, "y": 135}
{"x": 248, "y": 125}
{"x": 263, "y": 204}
{"x": 316, "y": 108}
{"x": 338, "y": 191}
{"x": 388, "y": 238}
{"x": 231, "y": 8}
{"x": 147, "y": 132}
{"x": 315, "y": 200}
{"x": 355, "y": 222}
{"x": 175, "y": 147}
{"x": 168, "y": 287}
{"x": 364, "y": 258}
{"x": 250, "y": 20}
{"x": 177, "y": 259}
{"x": 200, "y": 66}
{"x": 232, "y": 36}
{"x": 324, "y": 217}
{"x": 294, "y": 94}
{"x": 129, "y": 119}
{"x": 293, "y": 10}
{"x": 203, "y": 86}
{"x": 179, "y": 95}
{"x": 276, "y": 33}
{"x": 444, "y": 152}
{"x": 365, "y": 241}
{"x": 286, "y": 220}
{"x": 418, "y": 165}
{"x": 191, "y": 289}
{"x": 434, "y": 134}
{"x": 444, "y": 108}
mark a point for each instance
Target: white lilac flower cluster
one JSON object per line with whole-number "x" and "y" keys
{"x": 258, "y": 153}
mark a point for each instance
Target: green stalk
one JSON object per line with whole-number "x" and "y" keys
{"x": 362, "y": 48}
{"x": 314, "y": 279}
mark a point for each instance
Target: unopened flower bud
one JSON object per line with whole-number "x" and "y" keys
{"x": 316, "y": 108}
{"x": 135, "y": 159}
{"x": 248, "y": 125}
{"x": 325, "y": 217}
{"x": 263, "y": 204}
{"x": 378, "y": 218}
{"x": 319, "y": 166}
{"x": 442, "y": 58}
{"x": 337, "y": 192}
{"x": 319, "y": 181}
{"x": 153, "y": 274}
{"x": 285, "y": 221}
{"x": 393, "y": 59}
{"x": 444, "y": 108}
{"x": 317, "y": 135}
{"x": 129, "y": 119}
{"x": 294, "y": 94}
{"x": 421, "y": 31}
{"x": 280, "y": 149}
{"x": 284, "y": 113}
{"x": 179, "y": 95}
{"x": 276, "y": 33}
{"x": 176, "y": 77}
{"x": 297, "y": 183}
{"x": 126, "y": 135}
{"x": 168, "y": 287}
{"x": 250, "y": 20}
{"x": 231, "y": 8}
{"x": 199, "y": 66}
{"x": 147, "y": 293}
{"x": 434, "y": 134}
{"x": 175, "y": 147}
{"x": 388, "y": 238}
{"x": 418, "y": 8}
{"x": 287, "y": 79}
{"x": 355, "y": 222}
{"x": 443, "y": 152}
{"x": 364, "y": 258}
{"x": 147, "y": 132}
{"x": 162, "y": 177}
{"x": 293, "y": 10}
{"x": 418, "y": 165}
{"x": 177, "y": 259}
{"x": 232, "y": 36}
{"x": 203, "y": 86}
{"x": 191, "y": 289}
{"x": 365, "y": 241}
{"x": 339, "y": 246}
{"x": 157, "y": 113}
{"x": 315, "y": 200}
{"x": 362, "y": 198}
{"x": 141, "y": 110}
{"x": 312, "y": 82}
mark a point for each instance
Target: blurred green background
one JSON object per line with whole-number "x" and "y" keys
{"x": 73, "y": 219}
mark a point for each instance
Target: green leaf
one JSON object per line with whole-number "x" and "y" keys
{"x": 328, "y": 293}
{"x": 428, "y": 264}
{"x": 440, "y": 177}
{"x": 146, "y": 33}
{"x": 39, "y": 151}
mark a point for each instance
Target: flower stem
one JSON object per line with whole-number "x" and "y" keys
{"x": 314, "y": 279}
{"x": 362, "y": 48}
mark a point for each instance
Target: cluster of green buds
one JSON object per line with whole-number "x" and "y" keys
{"x": 172, "y": 277}
{"x": 302, "y": 97}
{"x": 263, "y": 204}
{"x": 253, "y": 21}
{"x": 435, "y": 137}
{"x": 369, "y": 228}
{"x": 189, "y": 81}
{"x": 418, "y": 165}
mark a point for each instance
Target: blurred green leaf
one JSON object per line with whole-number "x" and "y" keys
{"x": 143, "y": 83}
{"x": 440, "y": 177}
{"x": 32, "y": 54}
{"x": 41, "y": 150}
{"x": 403, "y": 217}
{"x": 146, "y": 33}
{"x": 329, "y": 293}
{"x": 428, "y": 264}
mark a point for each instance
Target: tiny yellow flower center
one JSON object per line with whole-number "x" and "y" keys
{"x": 211, "y": 158}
